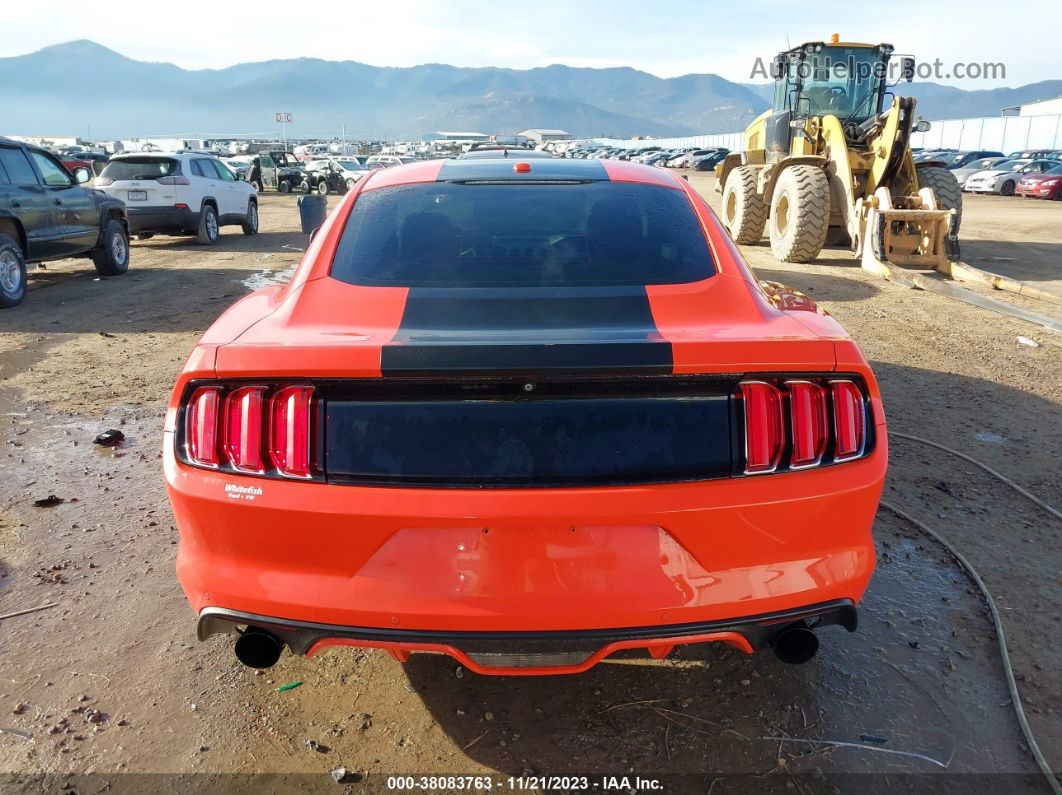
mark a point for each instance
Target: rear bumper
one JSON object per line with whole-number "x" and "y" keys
{"x": 525, "y": 560}
{"x": 172, "y": 220}
{"x": 522, "y": 653}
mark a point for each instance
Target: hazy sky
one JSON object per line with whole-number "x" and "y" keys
{"x": 664, "y": 38}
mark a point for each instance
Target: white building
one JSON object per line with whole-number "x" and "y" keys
{"x": 541, "y": 136}
{"x": 1043, "y": 107}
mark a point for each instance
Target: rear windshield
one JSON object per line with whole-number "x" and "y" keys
{"x": 522, "y": 235}
{"x": 146, "y": 167}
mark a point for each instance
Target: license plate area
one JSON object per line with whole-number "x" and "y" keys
{"x": 545, "y": 441}
{"x": 137, "y": 195}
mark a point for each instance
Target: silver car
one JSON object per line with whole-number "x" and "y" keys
{"x": 962, "y": 174}
{"x": 1003, "y": 178}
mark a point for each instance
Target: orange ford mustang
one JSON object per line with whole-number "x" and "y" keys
{"x": 524, "y": 414}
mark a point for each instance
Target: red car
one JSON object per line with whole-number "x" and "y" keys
{"x": 71, "y": 163}
{"x": 1047, "y": 185}
{"x": 525, "y": 414}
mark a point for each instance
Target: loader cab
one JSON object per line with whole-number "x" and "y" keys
{"x": 818, "y": 79}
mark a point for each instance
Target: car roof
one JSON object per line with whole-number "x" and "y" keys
{"x": 503, "y": 169}
{"x": 177, "y": 155}
{"x": 13, "y": 142}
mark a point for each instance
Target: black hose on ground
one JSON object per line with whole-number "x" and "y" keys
{"x": 1008, "y": 671}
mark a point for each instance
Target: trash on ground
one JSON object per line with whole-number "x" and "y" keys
{"x": 288, "y": 686}
{"x": 48, "y": 502}
{"x": 341, "y": 775}
{"x": 1028, "y": 342}
{"x": 17, "y": 733}
{"x": 109, "y": 438}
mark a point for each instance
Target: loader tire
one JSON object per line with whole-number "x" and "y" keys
{"x": 945, "y": 188}
{"x": 744, "y": 212}
{"x": 800, "y": 214}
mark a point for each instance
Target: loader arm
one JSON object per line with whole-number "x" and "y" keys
{"x": 892, "y": 166}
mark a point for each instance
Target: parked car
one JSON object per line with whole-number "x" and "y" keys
{"x": 1032, "y": 154}
{"x": 95, "y": 157}
{"x": 277, "y": 170}
{"x": 71, "y": 163}
{"x": 1047, "y": 185}
{"x": 180, "y": 193}
{"x": 932, "y": 154}
{"x": 957, "y": 160}
{"x": 659, "y": 158}
{"x": 1003, "y": 178}
{"x": 241, "y": 167}
{"x": 965, "y": 172}
{"x": 590, "y": 398}
{"x": 651, "y": 154}
{"x": 46, "y": 214}
{"x": 683, "y": 159}
{"x": 310, "y": 152}
{"x": 333, "y": 175}
{"x": 709, "y": 161}
{"x": 390, "y": 160}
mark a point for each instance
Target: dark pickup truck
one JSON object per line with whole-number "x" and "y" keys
{"x": 46, "y": 214}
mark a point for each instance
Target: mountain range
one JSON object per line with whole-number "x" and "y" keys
{"x": 44, "y": 93}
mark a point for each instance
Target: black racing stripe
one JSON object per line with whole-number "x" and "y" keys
{"x": 525, "y": 331}
{"x": 542, "y": 168}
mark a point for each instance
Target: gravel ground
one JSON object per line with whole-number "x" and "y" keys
{"x": 110, "y": 688}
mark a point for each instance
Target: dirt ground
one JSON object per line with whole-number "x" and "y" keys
{"x": 109, "y": 688}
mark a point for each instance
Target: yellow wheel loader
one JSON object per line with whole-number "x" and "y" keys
{"x": 830, "y": 163}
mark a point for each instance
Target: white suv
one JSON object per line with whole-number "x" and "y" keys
{"x": 179, "y": 193}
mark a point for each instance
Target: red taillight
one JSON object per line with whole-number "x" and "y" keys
{"x": 820, "y": 410}
{"x": 807, "y": 418}
{"x": 173, "y": 181}
{"x": 201, "y": 428}
{"x": 849, "y": 420}
{"x": 764, "y": 437}
{"x": 251, "y": 429}
{"x": 289, "y": 431}
{"x": 242, "y": 439}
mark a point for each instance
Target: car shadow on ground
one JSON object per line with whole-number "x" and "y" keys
{"x": 231, "y": 238}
